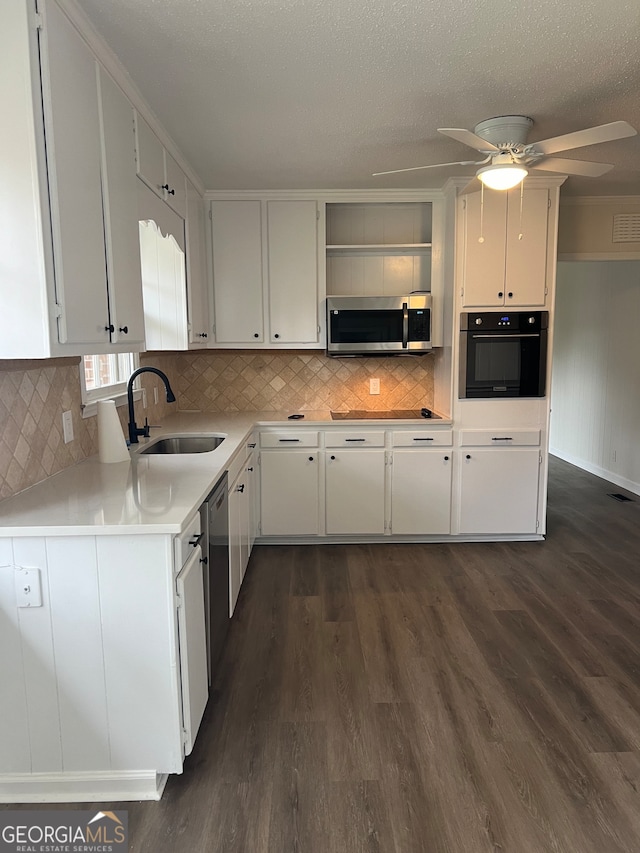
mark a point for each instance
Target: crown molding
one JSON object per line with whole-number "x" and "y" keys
{"x": 584, "y": 200}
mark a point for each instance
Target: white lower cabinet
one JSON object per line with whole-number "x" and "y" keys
{"x": 289, "y": 485}
{"x": 192, "y": 643}
{"x": 355, "y": 491}
{"x": 421, "y": 491}
{"x": 107, "y": 681}
{"x": 499, "y": 490}
{"x": 240, "y": 502}
{"x": 244, "y": 515}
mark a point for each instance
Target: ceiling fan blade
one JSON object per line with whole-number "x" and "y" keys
{"x": 432, "y": 166}
{"x": 572, "y": 167}
{"x": 460, "y": 134}
{"x": 588, "y": 136}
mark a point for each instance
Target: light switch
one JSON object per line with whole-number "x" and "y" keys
{"x": 67, "y": 427}
{"x": 28, "y": 588}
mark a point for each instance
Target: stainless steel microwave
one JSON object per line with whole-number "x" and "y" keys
{"x": 379, "y": 325}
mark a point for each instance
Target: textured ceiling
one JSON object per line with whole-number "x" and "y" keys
{"x": 262, "y": 94}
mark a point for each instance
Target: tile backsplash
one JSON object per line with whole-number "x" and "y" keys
{"x": 34, "y": 394}
{"x": 299, "y": 380}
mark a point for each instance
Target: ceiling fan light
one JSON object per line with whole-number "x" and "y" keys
{"x": 502, "y": 177}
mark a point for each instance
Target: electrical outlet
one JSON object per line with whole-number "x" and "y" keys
{"x": 374, "y": 386}
{"x": 155, "y": 395}
{"x": 67, "y": 427}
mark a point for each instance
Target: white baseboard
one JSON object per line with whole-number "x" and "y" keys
{"x": 611, "y": 476}
{"x": 81, "y": 787}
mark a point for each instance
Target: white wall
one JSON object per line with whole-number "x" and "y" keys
{"x": 595, "y": 396}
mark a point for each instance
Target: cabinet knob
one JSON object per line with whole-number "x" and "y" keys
{"x": 276, "y": 335}
{"x": 204, "y": 560}
{"x": 169, "y": 191}
{"x": 256, "y": 335}
{"x": 124, "y": 330}
{"x": 203, "y": 335}
{"x": 446, "y": 458}
{"x": 110, "y": 328}
{"x": 500, "y": 294}
{"x": 333, "y": 457}
{"x": 311, "y": 459}
{"x": 468, "y": 456}
{"x": 510, "y": 295}
{"x": 240, "y": 488}
{"x": 250, "y": 469}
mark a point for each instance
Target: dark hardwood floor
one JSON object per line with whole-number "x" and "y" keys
{"x": 398, "y": 698}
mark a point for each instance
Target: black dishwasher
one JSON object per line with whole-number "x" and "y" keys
{"x": 214, "y": 515}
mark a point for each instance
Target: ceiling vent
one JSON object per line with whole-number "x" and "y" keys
{"x": 626, "y": 228}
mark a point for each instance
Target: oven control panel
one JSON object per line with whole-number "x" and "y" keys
{"x": 498, "y": 321}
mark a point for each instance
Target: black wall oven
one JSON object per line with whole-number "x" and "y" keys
{"x": 503, "y": 354}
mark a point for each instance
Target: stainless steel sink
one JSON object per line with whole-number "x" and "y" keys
{"x": 184, "y": 444}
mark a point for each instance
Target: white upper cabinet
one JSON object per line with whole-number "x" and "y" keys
{"x": 506, "y": 247}
{"x": 197, "y": 274}
{"x": 265, "y": 272}
{"x": 163, "y": 284}
{"x": 292, "y": 229}
{"x": 74, "y": 155}
{"x": 236, "y": 228}
{"x": 120, "y": 216}
{"x": 158, "y": 169}
{"x": 70, "y": 272}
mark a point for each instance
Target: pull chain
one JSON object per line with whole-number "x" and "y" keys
{"x": 520, "y": 234}
{"x": 481, "y": 237}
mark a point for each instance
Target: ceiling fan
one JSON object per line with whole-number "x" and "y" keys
{"x": 508, "y": 157}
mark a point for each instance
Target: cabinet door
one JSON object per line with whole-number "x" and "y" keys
{"x": 485, "y": 223}
{"x": 163, "y": 284}
{"x": 289, "y": 492}
{"x": 193, "y": 646}
{"x": 197, "y": 280}
{"x": 236, "y": 228}
{"x": 72, "y": 132}
{"x": 149, "y": 156}
{"x": 499, "y": 491}
{"x": 355, "y": 491}
{"x": 526, "y": 263}
{"x": 239, "y": 528}
{"x": 421, "y": 491}
{"x": 293, "y": 271}
{"x": 119, "y": 185}
{"x": 175, "y": 191}
{"x": 253, "y": 486}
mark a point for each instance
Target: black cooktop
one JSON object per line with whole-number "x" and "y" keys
{"x": 363, "y": 414}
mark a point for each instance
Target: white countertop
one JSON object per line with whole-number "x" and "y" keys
{"x": 151, "y": 493}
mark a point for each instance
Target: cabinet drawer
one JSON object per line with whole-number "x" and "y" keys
{"x": 499, "y": 437}
{"x": 186, "y": 541}
{"x": 423, "y": 438}
{"x": 289, "y": 438}
{"x": 351, "y": 438}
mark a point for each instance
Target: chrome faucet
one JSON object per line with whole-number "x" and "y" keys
{"x": 134, "y": 429}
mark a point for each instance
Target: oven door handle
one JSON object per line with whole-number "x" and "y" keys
{"x": 499, "y": 337}
{"x": 405, "y": 325}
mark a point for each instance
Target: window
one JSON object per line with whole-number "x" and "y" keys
{"x": 104, "y": 377}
